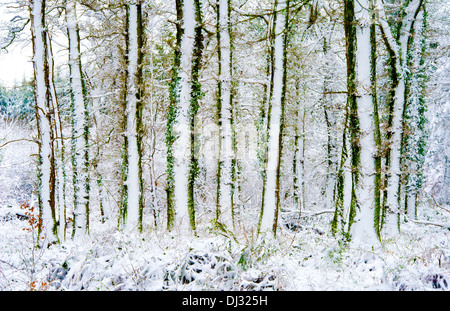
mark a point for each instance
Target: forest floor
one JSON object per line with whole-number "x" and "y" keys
{"x": 306, "y": 259}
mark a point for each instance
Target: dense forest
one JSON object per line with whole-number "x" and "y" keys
{"x": 249, "y": 121}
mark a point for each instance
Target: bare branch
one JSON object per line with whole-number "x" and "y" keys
{"x": 17, "y": 140}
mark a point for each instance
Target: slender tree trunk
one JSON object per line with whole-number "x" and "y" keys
{"x": 196, "y": 95}
{"x": 361, "y": 215}
{"x": 330, "y": 120}
{"x": 415, "y": 119}
{"x": 376, "y": 121}
{"x": 186, "y": 93}
{"x": 343, "y": 183}
{"x": 80, "y": 127}
{"x": 153, "y": 182}
{"x": 225, "y": 211}
{"x": 44, "y": 117}
{"x": 59, "y": 148}
{"x": 263, "y": 122}
{"x": 132, "y": 216}
{"x": 171, "y": 133}
{"x": 398, "y": 49}
{"x": 299, "y": 156}
{"x": 271, "y": 200}
{"x": 182, "y": 124}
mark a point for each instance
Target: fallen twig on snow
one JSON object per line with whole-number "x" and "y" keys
{"x": 422, "y": 222}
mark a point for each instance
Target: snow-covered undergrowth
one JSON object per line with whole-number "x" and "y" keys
{"x": 419, "y": 259}
{"x": 17, "y": 169}
{"x": 305, "y": 257}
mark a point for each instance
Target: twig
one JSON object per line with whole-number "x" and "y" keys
{"x": 328, "y": 211}
{"x": 437, "y": 205}
{"x": 422, "y": 222}
{"x": 9, "y": 264}
{"x": 17, "y": 140}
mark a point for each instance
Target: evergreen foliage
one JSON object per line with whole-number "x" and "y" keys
{"x": 18, "y": 102}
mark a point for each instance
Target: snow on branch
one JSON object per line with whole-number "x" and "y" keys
{"x": 13, "y": 31}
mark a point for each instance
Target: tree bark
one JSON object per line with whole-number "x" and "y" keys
{"x": 225, "y": 209}
{"x": 271, "y": 200}
{"x": 414, "y": 125}
{"x": 299, "y": 156}
{"x": 362, "y": 207}
{"x": 186, "y": 94}
{"x": 398, "y": 49}
{"x": 59, "y": 147}
{"x": 132, "y": 216}
{"x": 47, "y": 228}
{"x": 171, "y": 132}
{"x": 80, "y": 127}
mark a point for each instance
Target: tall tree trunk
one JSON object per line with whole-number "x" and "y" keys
{"x": 153, "y": 179}
{"x": 186, "y": 93}
{"x": 361, "y": 213}
{"x": 80, "y": 127}
{"x": 59, "y": 147}
{"x": 45, "y": 119}
{"x": 263, "y": 120}
{"x": 398, "y": 49}
{"x": 299, "y": 156}
{"x": 343, "y": 182}
{"x": 271, "y": 200}
{"x": 414, "y": 126}
{"x": 225, "y": 211}
{"x": 132, "y": 214}
{"x": 171, "y": 132}
{"x": 330, "y": 120}
{"x": 196, "y": 95}
{"x": 376, "y": 121}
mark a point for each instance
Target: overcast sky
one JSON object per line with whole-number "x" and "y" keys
{"x": 15, "y": 63}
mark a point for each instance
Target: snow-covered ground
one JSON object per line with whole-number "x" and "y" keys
{"x": 306, "y": 259}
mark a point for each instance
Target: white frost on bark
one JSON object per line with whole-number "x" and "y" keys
{"x": 226, "y": 142}
{"x": 182, "y": 122}
{"x": 133, "y": 175}
{"x": 58, "y": 144}
{"x": 363, "y": 230}
{"x": 270, "y": 203}
{"x": 299, "y": 160}
{"x": 37, "y": 8}
{"x": 81, "y": 178}
{"x": 400, "y": 49}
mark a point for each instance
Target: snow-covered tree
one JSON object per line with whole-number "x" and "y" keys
{"x": 271, "y": 191}
{"x": 45, "y": 120}
{"x": 182, "y": 164}
{"x": 414, "y": 132}
{"x": 80, "y": 126}
{"x": 328, "y": 97}
{"x": 225, "y": 171}
{"x": 132, "y": 210}
{"x": 396, "y": 32}
{"x": 363, "y": 122}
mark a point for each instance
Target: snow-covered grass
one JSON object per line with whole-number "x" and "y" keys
{"x": 17, "y": 168}
{"x": 306, "y": 259}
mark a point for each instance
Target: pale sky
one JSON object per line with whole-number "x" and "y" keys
{"x": 15, "y": 63}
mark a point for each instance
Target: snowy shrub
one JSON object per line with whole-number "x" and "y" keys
{"x": 207, "y": 271}
{"x": 17, "y": 102}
